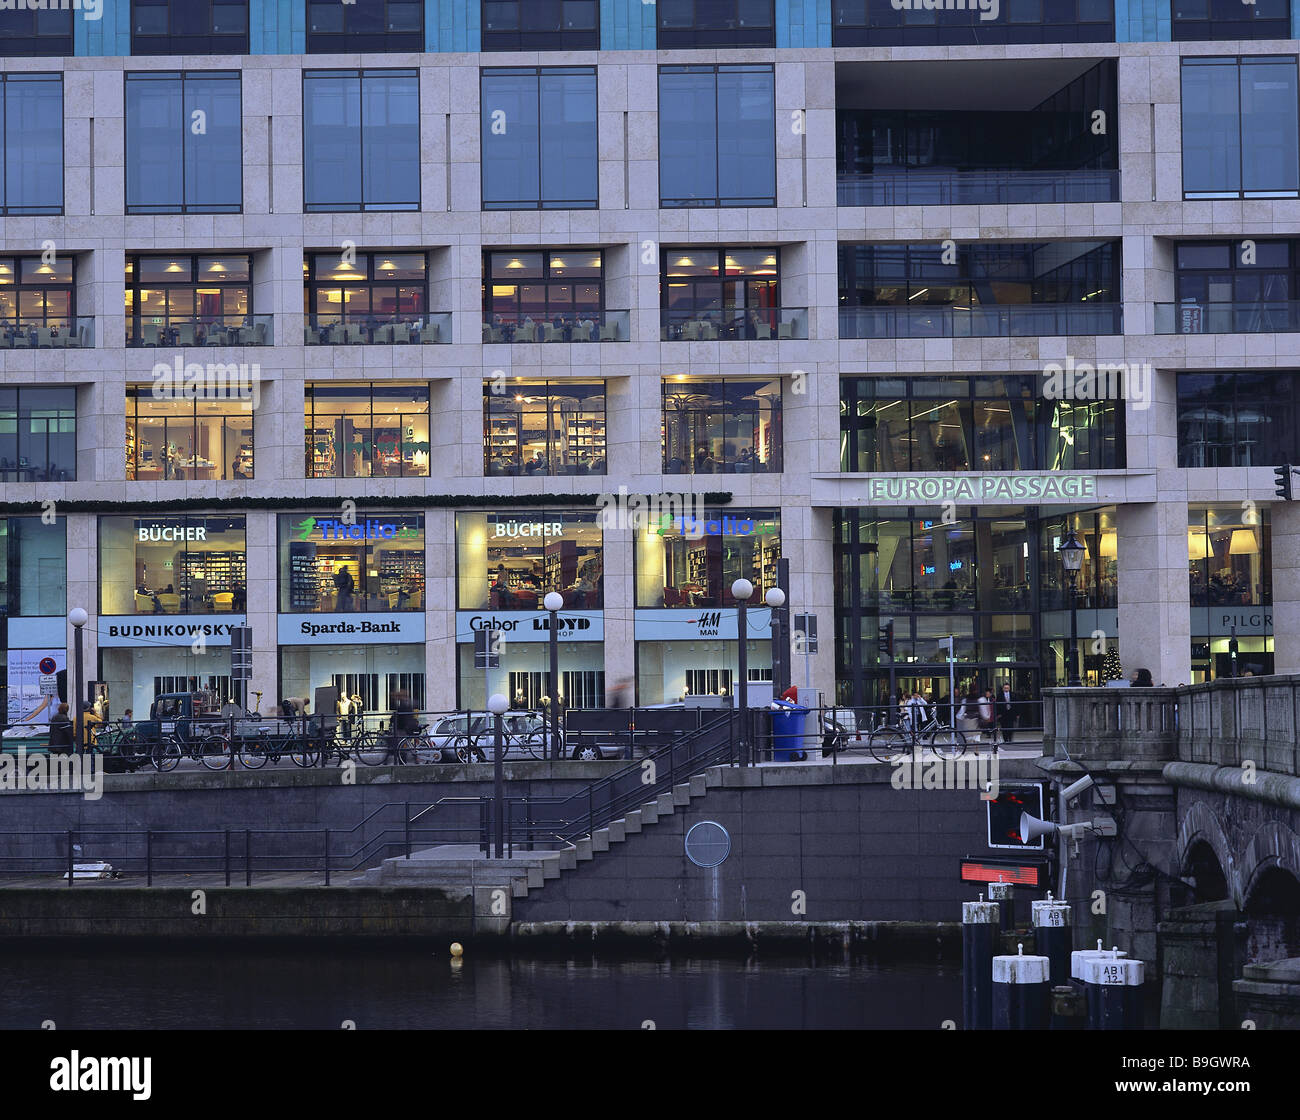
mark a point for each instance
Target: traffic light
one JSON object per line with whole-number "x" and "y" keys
{"x": 886, "y": 643}
{"x": 1282, "y": 477}
{"x": 1004, "y": 812}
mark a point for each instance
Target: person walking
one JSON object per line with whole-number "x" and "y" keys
{"x": 62, "y": 734}
{"x": 1006, "y": 707}
{"x": 988, "y": 716}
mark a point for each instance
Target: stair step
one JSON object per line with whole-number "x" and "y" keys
{"x": 568, "y": 860}
{"x": 584, "y": 849}
{"x": 699, "y": 785}
{"x": 519, "y": 887}
{"x": 681, "y": 794}
{"x": 632, "y": 822}
{"x": 600, "y": 840}
{"x": 650, "y": 812}
{"x": 666, "y": 803}
{"x": 617, "y": 832}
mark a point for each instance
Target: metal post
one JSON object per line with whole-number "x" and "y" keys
{"x": 1053, "y": 936}
{"x": 499, "y": 787}
{"x": 70, "y": 871}
{"x": 248, "y": 857}
{"x": 781, "y": 631}
{"x": 406, "y": 823}
{"x": 554, "y": 639}
{"x": 1073, "y": 664}
{"x": 148, "y": 858}
{"x": 1022, "y": 995}
{"x": 78, "y": 654}
{"x": 327, "y": 857}
{"x": 227, "y": 857}
{"x": 742, "y": 685}
{"x": 979, "y": 928}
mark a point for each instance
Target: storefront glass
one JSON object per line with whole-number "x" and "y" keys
{"x": 171, "y": 565}
{"x": 376, "y": 673}
{"x": 378, "y": 430}
{"x": 670, "y": 671}
{"x": 694, "y": 561}
{"x": 170, "y": 439}
{"x": 35, "y": 572}
{"x": 509, "y": 561}
{"x": 1098, "y": 580}
{"x": 373, "y": 564}
{"x": 134, "y": 676}
{"x": 523, "y": 672}
{"x": 544, "y": 428}
{"x": 1230, "y": 580}
{"x": 721, "y": 427}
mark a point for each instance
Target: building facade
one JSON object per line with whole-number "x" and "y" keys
{"x": 354, "y": 324}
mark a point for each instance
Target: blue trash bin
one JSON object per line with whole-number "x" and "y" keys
{"x": 787, "y": 732}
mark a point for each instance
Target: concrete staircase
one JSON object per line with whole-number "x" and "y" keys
{"x": 495, "y": 882}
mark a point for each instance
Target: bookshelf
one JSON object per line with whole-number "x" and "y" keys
{"x": 561, "y": 562}
{"x": 320, "y": 452}
{"x": 402, "y": 570}
{"x": 304, "y": 580}
{"x": 220, "y": 571}
{"x": 586, "y": 438}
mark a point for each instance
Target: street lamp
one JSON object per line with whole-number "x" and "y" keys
{"x": 78, "y": 617}
{"x": 741, "y": 590}
{"x": 497, "y": 705}
{"x": 775, "y": 598}
{"x": 553, "y": 602}
{"x": 1072, "y": 560}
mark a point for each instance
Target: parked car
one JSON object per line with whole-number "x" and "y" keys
{"x": 470, "y": 737}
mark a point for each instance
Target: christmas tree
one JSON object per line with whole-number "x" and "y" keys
{"x": 1110, "y": 667}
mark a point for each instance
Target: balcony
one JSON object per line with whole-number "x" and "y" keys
{"x": 974, "y": 188}
{"x": 234, "y": 330}
{"x": 48, "y": 335}
{"x": 1009, "y": 320}
{"x": 377, "y": 330}
{"x": 734, "y": 324}
{"x": 600, "y": 326}
{"x": 1247, "y": 317}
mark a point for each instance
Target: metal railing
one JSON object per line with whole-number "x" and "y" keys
{"x": 228, "y": 330}
{"x": 973, "y": 188}
{"x": 48, "y": 334}
{"x": 1008, "y": 320}
{"x": 1239, "y": 317}
{"x": 377, "y": 330}
{"x": 594, "y": 326}
{"x": 733, "y": 324}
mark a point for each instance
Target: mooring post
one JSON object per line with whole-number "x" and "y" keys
{"x": 1022, "y": 995}
{"x": 979, "y": 928}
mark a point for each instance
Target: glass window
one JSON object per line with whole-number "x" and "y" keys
{"x": 1230, "y": 19}
{"x": 361, "y": 140}
{"x": 858, "y": 23}
{"x": 723, "y": 293}
{"x": 716, "y": 23}
{"x": 378, "y": 297}
{"x": 1237, "y": 419}
{"x": 1097, "y": 583}
{"x": 171, "y": 565}
{"x": 1229, "y": 557}
{"x": 184, "y": 153}
{"x": 37, "y": 302}
{"x": 200, "y": 27}
{"x": 694, "y": 559}
{"x": 509, "y": 561}
{"x": 731, "y": 426}
{"x": 38, "y": 435}
{"x": 30, "y": 32}
{"x": 329, "y": 566}
{"x": 369, "y": 26}
{"x": 1240, "y": 128}
{"x": 378, "y": 430}
{"x": 183, "y": 300}
{"x": 539, "y": 139}
{"x": 541, "y": 25}
{"x": 717, "y": 138}
{"x": 544, "y": 428}
{"x": 170, "y": 437}
{"x": 35, "y": 571}
{"x": 31, "y": 138}
{"x": 529, "y": 296}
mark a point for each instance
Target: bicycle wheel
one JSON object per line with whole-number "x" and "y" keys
{"x": 947, "y": 742}
{"x": 166, "y": 755}
{"x": 252, "y": 754}
{"x": 412, "y": 750}
{"x": 214, "y": 752}
{"x": 888, "y": 744}
{"x": 303, "y": 752}
{"x": 371, "y": 748}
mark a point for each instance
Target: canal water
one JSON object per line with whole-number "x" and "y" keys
{"x": 374, "y": 987}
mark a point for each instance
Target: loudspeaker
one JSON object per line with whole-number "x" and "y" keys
{"x": 1031, "y": 828}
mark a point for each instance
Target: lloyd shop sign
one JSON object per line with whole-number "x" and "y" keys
{"x": 531, "y": 626}
{"x": 358, "y": 629}
{"x": 687, "y": 625}
{"x": 166, "y": 629}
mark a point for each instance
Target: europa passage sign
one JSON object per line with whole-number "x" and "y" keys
{"x": 981, "y": 489}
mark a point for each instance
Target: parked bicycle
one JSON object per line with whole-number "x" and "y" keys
{"x": 892, "y": 742}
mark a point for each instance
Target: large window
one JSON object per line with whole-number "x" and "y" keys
{"x": 1097, "y": 585}
{"x": 30, "y": 32}
{"x": 365, "y": 297}
{"x": 375, "y": 563}
{"x": 189, "y": 27}
{"x": 896, "y": 425}
{"x": 1245, "y": 286}
{"x": 171, "y": 565}
{"x": 38, "y": 435}
{"x": 378, "y": 430}
{"x": 37, "y": 303}
{"x": 556, "y": 295}
{"x": 361, "y": 140}
{"x": 717, "y": 136}
{"x": 541, "y": 25}
{"x": 862, "y": 23}
{"x": 509, "y": 561}
{"x": 715, "y": 23}
{"x": 544, "y": 428}
{"x": 183, "y": 149}
{"x": 1228, "y": 556}
{"x": 190, "y": 301}
{"x": 1230, "y": 19}
{"x": 169, "y": 438}
{"x": 732, "y": 426}
{"x": 35, "y": 568}
{"x": 1245, "y": 419}
{"x": 367, "y": 26}
{"x": 31, "y": 139}
{"x": 693, "y": 560}
{"x": 1240, "y": 129}
{"x": 727, "y": 293}
{"x": 539, "y": 139}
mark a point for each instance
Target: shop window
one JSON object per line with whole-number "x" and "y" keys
{"x": 539, "y": 139}
{"x": 361, "y": 140}
{"x": 717, "y": 138}
{"x": 1196, "y": 20}
{"x": 31, "y": 32}
{"x": 172, "y": 565}
{"x": 331, "y": 566}
{"x": 1236, "y": 286}
{"x": 541, "y": 25}
{"x": 174, "y": 439}
{"x": 721, "y": 427}
{"x": 364, "y": 297}
{"x": 378, "y": 430}
{"x": 175, "y": 301}
{"x": 38, "y": 435}
{"x": 380, "y": 675}
{"x": 720, "y": 293}
{"x": 692, "y": 561}
{"x": 371, "y": 26}
{"x": 509, "y": 561}
{"x": 199, "y": 27}
{"x": 544, "y": 428}
{"x": 1237, "y": 419}
{"x": 555, "y": 295}
{"x": 684, "y": 24}
{"x": 35, "y": 569}
{"x": 184, "y": 149}
{"x": 31, "y": 140}
{"x": 1229, "y": 555}
{"x": 1097, "y": 585}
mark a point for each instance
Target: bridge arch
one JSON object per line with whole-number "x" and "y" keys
{"x": 1271, "y": 869}
{"x": 1204, "y": 850}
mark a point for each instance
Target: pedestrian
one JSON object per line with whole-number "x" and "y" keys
{"x": 988, "y": 720}
{"x": 620, "y": 696}
{"x": 1142, "y": 679}
{"x": 62, "y": 734}
{"x": 968, "y": 715}
{"x": 1006, "y": 711}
